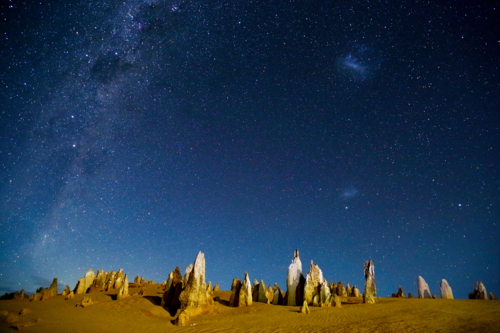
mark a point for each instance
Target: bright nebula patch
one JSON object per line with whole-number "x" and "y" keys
{"x": 359, "y": 64}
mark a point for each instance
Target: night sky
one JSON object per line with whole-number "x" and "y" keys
{"x": 135, "y": 134}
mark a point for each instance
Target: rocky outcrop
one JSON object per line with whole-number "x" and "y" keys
{"x": 123, "y": 291}
{"x": 410, "y": 295}
{"x": 137, "y": 281}
{"x": 86, "y": 301}
{"x": 355, "y": 292}
{"x": 84, "y": 283}
{"x": 333, "y": 287}
{"x": 341, "y": 291}
{"x": 446, "y": 292}
{"x": 69, "y": 296}
{"x": 314, "y": 280}
{"x": 401, "y": 293}
{"x": 492, "y": 297}
{"x": 171, "y": 296}
{"x": 262, "y": 292}
{"x": 181, "y": 320}
{"x": 245, "y": 292}
{"x": 19, "y": 295}
{"x": 479, "y": 291}
{"x": 293, "y": 281}
{"x": 169, "y": 281}
{"x": 110, "y": 281}
{"x": 255, "y": 291}
{"x": 210, "y": 294}
{"x": 278, "y": 298}
{"x": 193, "y": 297}
{"x": 304, "y": 309}
{"x": 45, "y": 293}
{"x": 119, "y": 279}
{"x": 189, "y": 268}
{"x": 216, "y": 287}
{"x": 66, "y": 291}
{"x": 325, "y": 293}
{"x": 423, "y": 288}
{"x": 235, "y": 292}
{"x": 99, "y": 281}
{"x": 51, "y": 292}
{"x": 335, "y": 301}
{"x": 269, "y": 295}
{"x": 370, "y": 292}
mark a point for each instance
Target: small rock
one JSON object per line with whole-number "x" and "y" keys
{"x": 86, "y": 301}
{"x": 304, "y": 309}
{"x": 24, "y": 312}
{"x": 71, "y": 295}
{"x": 182, "y": 319}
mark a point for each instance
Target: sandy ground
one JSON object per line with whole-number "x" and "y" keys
{"x": 143, "y": 314}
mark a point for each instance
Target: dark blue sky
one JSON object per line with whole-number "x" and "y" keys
{"x": 135, "y": 134}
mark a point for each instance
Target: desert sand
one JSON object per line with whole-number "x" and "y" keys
{"x": 144, "y": 314}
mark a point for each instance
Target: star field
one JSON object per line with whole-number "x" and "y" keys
{"x": 135, "y": 134}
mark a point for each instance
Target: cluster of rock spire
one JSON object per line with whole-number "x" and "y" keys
{"x": 313, "y": 290}
{"x": 189, "y": 295}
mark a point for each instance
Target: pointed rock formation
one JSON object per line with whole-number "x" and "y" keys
{"x": 355, "y": 292}
{"x": 293, "y": 281}
{"x": 304, "y": 309}
{"x": 235, "y": 292}
{"x": 423, "y": 288}
{"x": 171, "y": 295}
{"x": 278, "y": 298}
{"x": 210, "y": 294}
{"x": 245, "y": 292}
{"x": 51, "y": 292}
{"x": 99, "y": 281}
{"x": 410, "y": 295}
{"x": 194, "y": 296}
{"x": 341, "y": 292}
{"x": 262, "y": 292}
{"x": 492, "y": 297}
{"x": 137, "y": 281}
{"x": 401, "y": 293}
{"x": 333, "y": 287}
{"x": 325, "y": 293}
{"x": 269, "y": 295}
{"x": 118, "y": 279}
{"x": 216, "y": 287}
{"x": 169, "y": 281}
{"x": 84, "y": 283}
{"x": 19, "y": 295}
{"x": 255, "y": 291}
{"x": 479, "y": 291}
{"x": 370, "y": 292}
{"x": 314, "y": 280}
{"x": 123, "y": 291}
{"x": 189, "y": 268}
{"x": 70, "y": 296}
{"x": 446, "y": 292}
{"x": 110, "y": 281}
{"x": 66, "y": 291}
{"x": 45, "y": 293}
